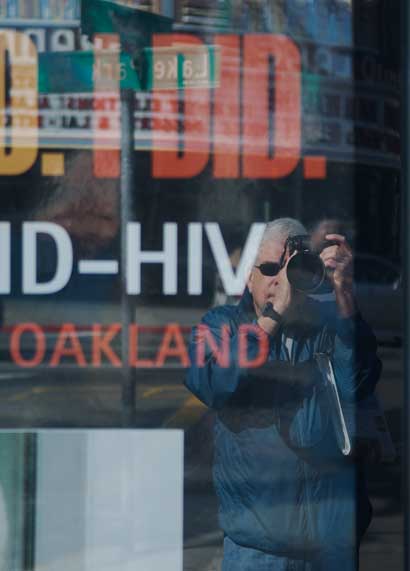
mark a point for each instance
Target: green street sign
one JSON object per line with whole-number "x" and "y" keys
{"x": 134, "y": 27}
{"x": 79, "y": 72}
{"x": 161, "y": 68}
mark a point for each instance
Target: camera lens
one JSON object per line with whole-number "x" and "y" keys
{"x": 305, "y": 271}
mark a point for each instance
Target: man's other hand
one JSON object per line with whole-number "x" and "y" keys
{"x": 339, "y": 259}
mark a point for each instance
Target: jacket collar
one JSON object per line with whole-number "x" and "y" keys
{"x": 246, "y": 306}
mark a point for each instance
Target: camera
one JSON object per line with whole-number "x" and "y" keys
{"x": 305, "y": 270}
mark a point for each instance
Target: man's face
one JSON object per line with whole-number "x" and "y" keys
{"x": 263, "y": 287}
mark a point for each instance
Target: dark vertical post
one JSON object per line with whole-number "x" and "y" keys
{"x": 127, "y": 215}
{"x": 29, "y": 500}
{"x": 405, "y": 139}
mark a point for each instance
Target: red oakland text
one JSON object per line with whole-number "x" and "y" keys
{"x": 32, "y": 345}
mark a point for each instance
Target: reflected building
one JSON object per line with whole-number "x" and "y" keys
{"x": 350, "y": 115}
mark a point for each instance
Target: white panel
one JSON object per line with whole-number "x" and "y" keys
{"x": 129, "y": 500}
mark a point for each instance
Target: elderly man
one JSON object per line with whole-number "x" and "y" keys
{"x": 289, "y": 499}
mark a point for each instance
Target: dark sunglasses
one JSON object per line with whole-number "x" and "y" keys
{"x": 270, "y": 268}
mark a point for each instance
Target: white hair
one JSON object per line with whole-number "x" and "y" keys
{"x": 276, "y": 230}
{"x": 281, "y": 229}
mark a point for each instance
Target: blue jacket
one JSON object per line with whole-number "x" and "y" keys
{"x": 282, "y": 483}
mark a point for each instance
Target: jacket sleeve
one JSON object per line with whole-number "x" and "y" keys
{"x": 217, "y": 372}
{"x": 356, "y": 365}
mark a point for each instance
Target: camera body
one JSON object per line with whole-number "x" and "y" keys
{"x": 305, "y": 270}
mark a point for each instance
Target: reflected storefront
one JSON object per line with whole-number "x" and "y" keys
{"x": 144, "y": 146}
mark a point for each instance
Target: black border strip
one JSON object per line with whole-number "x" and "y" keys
{"x": 405, "y": 134}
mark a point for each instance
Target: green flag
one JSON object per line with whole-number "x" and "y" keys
{"x": 134, "y": 27}
{"x": 311, "y": 88}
